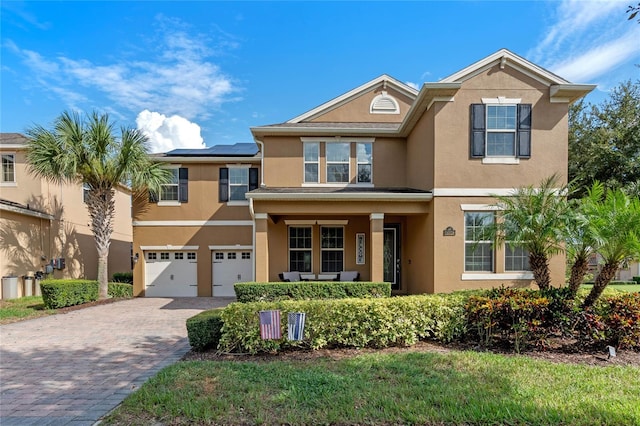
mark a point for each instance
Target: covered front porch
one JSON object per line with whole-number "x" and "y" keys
{"x": 325, "y": 231}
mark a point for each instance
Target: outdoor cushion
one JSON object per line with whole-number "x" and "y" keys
{"x": 290, "y": 276}
{"x": 349, "y": 276}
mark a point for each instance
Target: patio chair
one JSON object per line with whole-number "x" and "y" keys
{"x": 292, "y": 277}
{"x": 349, "y": 276}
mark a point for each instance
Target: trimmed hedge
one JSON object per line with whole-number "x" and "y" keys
{"x": 270, "y": 292}
{"x": 205, "y": 329}
{"x": 382, "y": 322}
{"x": 636, "y": 280}
{"x": 62, "y": 293}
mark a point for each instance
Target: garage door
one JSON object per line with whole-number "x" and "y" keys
{"x": 171, "y": 274}
{"x": 230, "y": 267}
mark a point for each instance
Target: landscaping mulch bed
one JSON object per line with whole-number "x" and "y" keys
{"x": 558, "y": 354}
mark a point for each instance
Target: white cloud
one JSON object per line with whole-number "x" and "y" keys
{"x": 167, "y": 133}
{"x": 586, "y": 41}
{"x": 412, "y": 84}
{"x": 175, "y": 75}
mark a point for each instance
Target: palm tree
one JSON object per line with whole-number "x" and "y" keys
{"x": 533, "y": 218}
{"x": 84, "y": 150}
{"x": 615, "y": 224}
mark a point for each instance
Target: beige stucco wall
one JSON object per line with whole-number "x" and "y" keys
{"x": 358, "y": 110}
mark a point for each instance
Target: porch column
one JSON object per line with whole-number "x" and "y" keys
{"x": 261, "y": 253}
{"x": 377, "y": 246}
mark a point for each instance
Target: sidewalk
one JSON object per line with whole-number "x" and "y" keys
{"x": 72, "y": 369}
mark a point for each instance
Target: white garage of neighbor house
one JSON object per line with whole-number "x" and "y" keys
{"x": 230, "y": 267}
{"x": 171, "y": 273}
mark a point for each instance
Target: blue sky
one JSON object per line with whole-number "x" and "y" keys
{"x": 194, "y": 74}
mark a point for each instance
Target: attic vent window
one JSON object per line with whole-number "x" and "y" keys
{"x": 384, "y": 104}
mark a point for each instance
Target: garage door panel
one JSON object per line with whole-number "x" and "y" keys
{"x": 230, "y": 267}
{"x": 172, "y": 275}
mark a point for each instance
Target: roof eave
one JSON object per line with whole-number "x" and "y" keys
{"x": 430, "y": 93}
{"x": 569, "y": 93}
{"x": 204, "y": 159}
{"x": 332, "y": 196}
{"x": 259, "y": 132}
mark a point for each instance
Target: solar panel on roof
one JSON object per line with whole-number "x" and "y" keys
{"x": 236, "y": 150}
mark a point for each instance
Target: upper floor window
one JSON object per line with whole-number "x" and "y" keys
{"x": 365, "y": 162}
{"x": 338, "y": 156}
{"x": 235, "y": 181}
{"x": 8, "y": 168}
{"x": 501, "y": 130}
{"x": 311, "y": 162}
{"x": 169, "y": 191}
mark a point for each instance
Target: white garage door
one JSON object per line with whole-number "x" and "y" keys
{"x": 230, "y": 267}
{"x": 171, "y": 274}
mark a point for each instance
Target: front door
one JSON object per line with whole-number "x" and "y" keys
{"x": 392, "y": 255}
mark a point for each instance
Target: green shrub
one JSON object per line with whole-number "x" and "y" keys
{"x": 518, "y": 317}
{"x": 62, "y": 293}
{"x": 204, "y": 330}
{"x": 123, "y": 277}
{"x": 268, "y": 292}
{"x": 636, "y": 280}
{"x": 614, "y": 320}
{"x": 379, "y": 322}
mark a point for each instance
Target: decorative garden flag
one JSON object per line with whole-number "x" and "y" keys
{"x": 270, "y": 325}
{"x": 295, "y": 325}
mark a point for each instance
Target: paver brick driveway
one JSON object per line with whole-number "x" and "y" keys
{"x": 74, "y": 368}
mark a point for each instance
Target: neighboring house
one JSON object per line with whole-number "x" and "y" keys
{"x": 385, "y": 180}
{"x": 41, "y": 221}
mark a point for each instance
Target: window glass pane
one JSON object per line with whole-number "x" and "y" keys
{"x": 164, "y": 256}
{"x": 338, "y": 152}
{"x": 178, "y": 256}
{"x": 299, "y": 238}
{"x": 231, "y": 256}
{"x": 476, "y": 224}
{"x": 332, "y": 237}
{"x": 311, "y": 151}
{"x": 501, "y": 117}
{"x": 237, "y": 193}
{"x": 332, "y": 261}
{"x": 501, "y": 144}
{"x": 239, "y": 176}
{"x": 478, "y": 257}
{"x": 300, "y": 261}
{"x": 338, "y": 172}
{"x": 364, "y": 152}
{"x": 516, "y": 259}
{"x": 169, "y": 193}
{"x": 364, "y": 173}
{"x": 311, "y": 172}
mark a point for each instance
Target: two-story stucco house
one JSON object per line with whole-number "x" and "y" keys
{"x": 385, "y": 180}
{"x": 41, "y": 221}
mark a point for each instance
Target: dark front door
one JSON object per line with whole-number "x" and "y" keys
{"x": 392, "y": 255}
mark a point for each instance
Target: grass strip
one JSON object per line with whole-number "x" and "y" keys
{"x": 381, "y": 389}
{"x": 13, "y": 310}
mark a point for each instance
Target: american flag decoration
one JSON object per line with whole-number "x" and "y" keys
{"x": 270, "y": 325}
{"x": 295, "y": 325}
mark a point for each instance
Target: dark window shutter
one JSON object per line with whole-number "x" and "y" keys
{"x": 524, "y": 131}
{"x": 477, "y": 130}
{"x": 253, "y": 178}
{"x": 183, "y": 184}
{"x": 223, "y": 184}
{"x": 153, "y": 197}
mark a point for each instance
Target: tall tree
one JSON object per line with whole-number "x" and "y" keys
{"x": 533, "y": 218}
{"x": 615, "y": 225}
{"x": 85, "y": 150}
{"x": 604, "y": 140}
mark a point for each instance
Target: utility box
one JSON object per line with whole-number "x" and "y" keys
{"x": 10, "y": 287}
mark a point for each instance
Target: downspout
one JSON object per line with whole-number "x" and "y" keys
{"x": 259, "y": 142}
{"x": 253, "y": 236}
{"x": 251, "y": 210}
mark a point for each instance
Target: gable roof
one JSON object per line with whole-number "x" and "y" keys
{"x": 383, "y": 80}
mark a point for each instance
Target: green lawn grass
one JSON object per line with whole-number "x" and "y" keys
{"x": 382, "y": 389}
{"x": 620, "y": 287}
{"x": 13, "y": 310}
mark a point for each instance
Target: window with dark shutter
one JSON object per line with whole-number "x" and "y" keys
{"x": 253, "y": 178}
{"x": 223, "y": 185}
{"x": 477, "y": 130}
{"x": 183, "y": 185}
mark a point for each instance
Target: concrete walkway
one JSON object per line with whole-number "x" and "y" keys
{"x": 74, "y": 368}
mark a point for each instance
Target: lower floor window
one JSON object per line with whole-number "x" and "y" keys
{"x": 300, "y": 249}
{"x": 332, "y": 249}
{"x": 478, "y": 250}
{"x": 516, "y": 259}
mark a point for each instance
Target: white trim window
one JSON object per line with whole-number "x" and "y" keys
{"x": 169, "y": 191}
{"x": 516, "y": 258}
{"x": 364, "y": 158}
{"x": 501, "y": 130}
{"x": 338, "y": 158}
{"x": 311, "y": 162}
{"x": 238, "y": 183}
{"x": 8, "y": 168}
{"x": 300, "y": 248}
{"x": 478, "y": 250}
{"x": 331, "y": 249}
